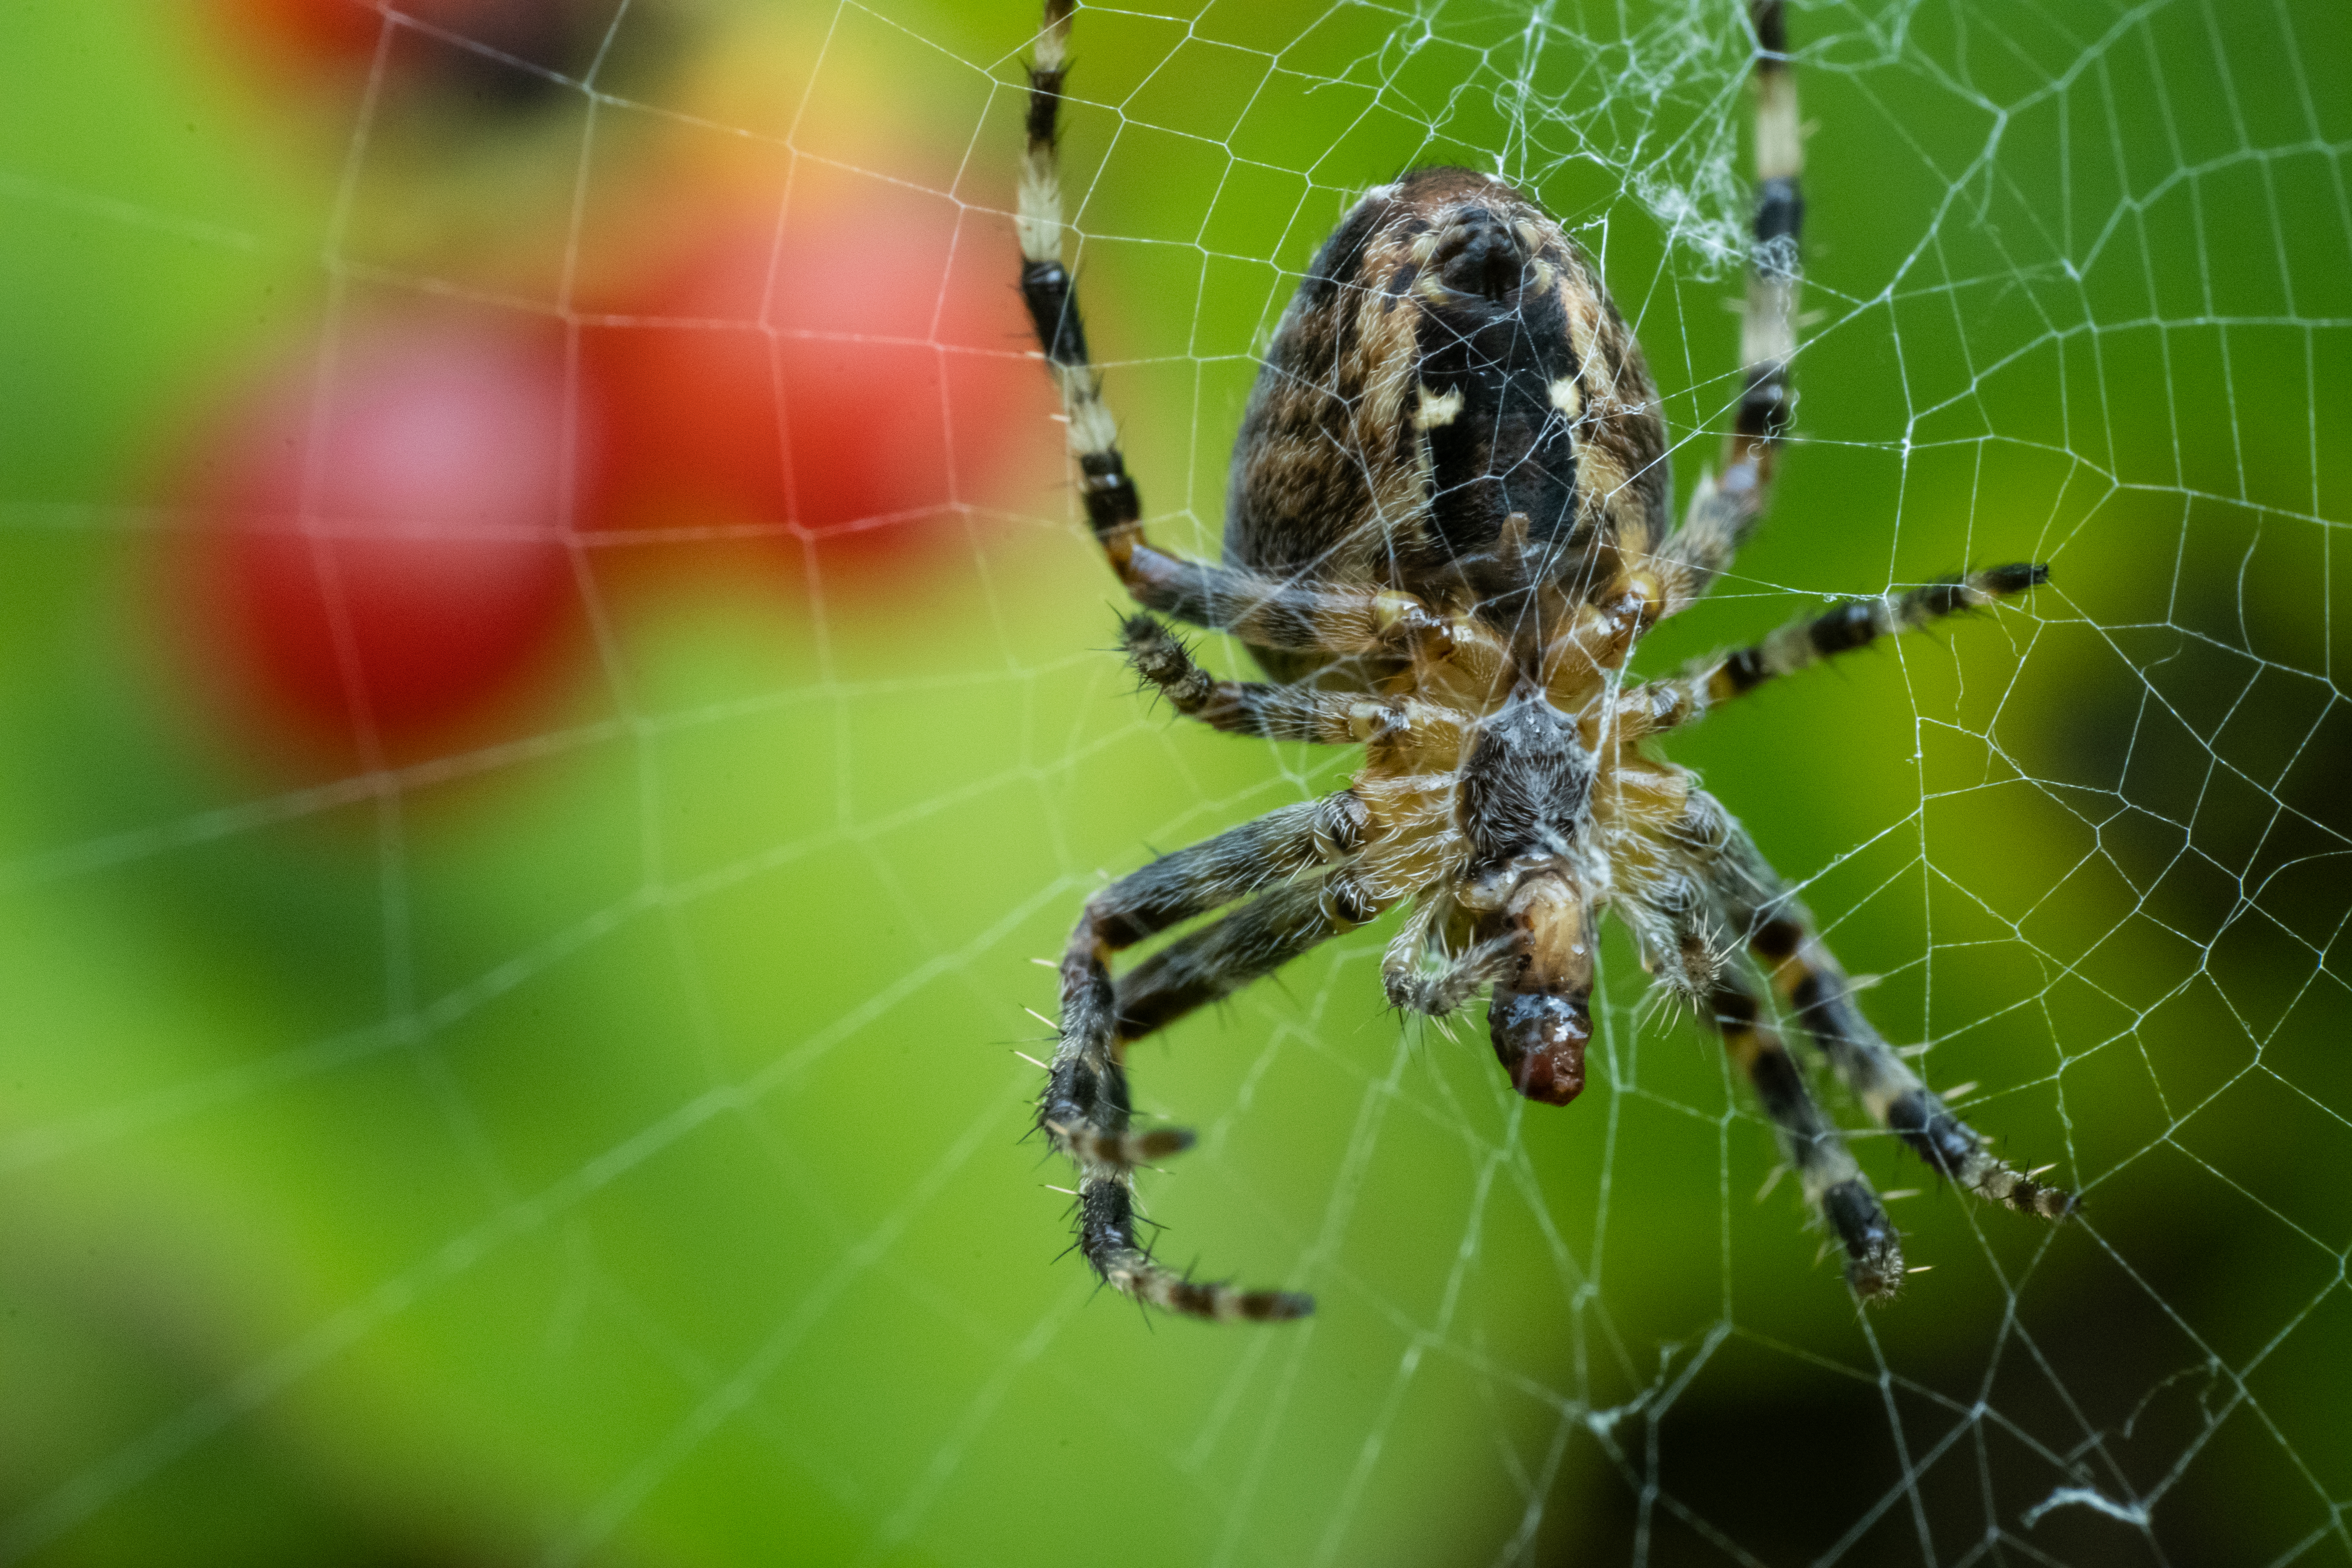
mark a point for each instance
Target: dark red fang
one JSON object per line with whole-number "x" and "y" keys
{"x": 1539, "y": 1038}
{"x": 1480, "y": 254}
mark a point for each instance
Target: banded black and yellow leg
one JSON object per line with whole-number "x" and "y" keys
{"x": 1265, "y": 611}
{"x": 1280, "y": 712}
{"x": 1813, "y": 1144}
{"x": 1085, "y": 1105}
{"x": 1817, "y": 991}
{"x": 1755, "y": 902}
{"x": 1728, "y": 506}
{"x": 1085, "y": 1108}
{"x": 1685, "y": 698}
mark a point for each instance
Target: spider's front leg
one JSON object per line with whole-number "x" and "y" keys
{"x": 1085, "y": 1108}
{"x": 1683, "y": 870}
{"x": 1832, "y": 1183}
{"x": 1816, "y": 989}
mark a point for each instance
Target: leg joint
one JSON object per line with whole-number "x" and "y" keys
{"x": 1346, "y": 901}
{"x": 1339, "y": 823}
{"x": 1054, "y": 312}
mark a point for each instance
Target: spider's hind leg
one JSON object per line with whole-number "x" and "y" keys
{"x": 1266, "y": 613}
{"x": 1085, "y": 1108}
{"x": 1726, "y": 507}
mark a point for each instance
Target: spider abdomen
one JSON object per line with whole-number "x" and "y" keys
{"x": 1452, "y": 364}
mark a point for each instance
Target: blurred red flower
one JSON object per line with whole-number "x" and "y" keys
{"x": 342, "y": 35}
{"x": 384, "y": 553}
{"x": 835, "y": 383}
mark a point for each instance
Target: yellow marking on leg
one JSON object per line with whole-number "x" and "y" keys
{"x": 1780, "y": 141}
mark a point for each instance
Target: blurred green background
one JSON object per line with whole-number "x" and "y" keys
{"x": 574, "y": 1116}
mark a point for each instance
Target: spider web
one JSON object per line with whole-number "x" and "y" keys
{"x": 603, "y": 1143}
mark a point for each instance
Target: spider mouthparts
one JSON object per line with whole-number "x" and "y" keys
{"x": 1539, "y": 1038}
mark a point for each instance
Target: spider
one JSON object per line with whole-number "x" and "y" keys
{"x": 1447, "y": 529}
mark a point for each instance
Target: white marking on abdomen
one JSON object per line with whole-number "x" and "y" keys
{"x": 1435, "y": 409}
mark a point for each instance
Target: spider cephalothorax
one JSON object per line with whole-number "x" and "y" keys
{"x": 1448, "y": 528}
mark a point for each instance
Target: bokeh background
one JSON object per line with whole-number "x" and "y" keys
{"x": 552, "y": 690}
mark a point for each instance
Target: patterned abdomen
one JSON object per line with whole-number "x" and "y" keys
{"x": 1450, "y": 360}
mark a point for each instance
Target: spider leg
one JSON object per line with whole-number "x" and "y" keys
{"x": 1265, "y": 611}
{"x": 1833, "y": 1182}
{"x": 1286, "y": 711}
{"x": 1260, "y": 937}
{"x": 1253, "y": 940}
{"x": 1661, "y": 705}
{"x": 1816, "y": 989}
{"x": 1279, "y": 712}
{"x": 1085, "y": 1108}
{"x": 1728, "y": 505}
{"x": 1822, "y": 998}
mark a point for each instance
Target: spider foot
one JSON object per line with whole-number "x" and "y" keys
{"x": 1958, "y": 1151}
{"x": 1106, "y": 1220}
{"x": 1215, "y": 1302}
{"x": 1874, "y": 1250}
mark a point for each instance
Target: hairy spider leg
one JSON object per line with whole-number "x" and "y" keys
{"x": 1287, "y": 712}
{"x": 1728, "y": 506}
{"x": 1085, "y": 1108}
{"x": 1207, "y": 966}
{"x": 1262, "y": 611}
{"x": 1660, "y": 705}
{"x": 1253, "y": 941}
{"x": 1780, "y": 933}
{"x": 1817, "y": 991}
{"x": 1284, "y": 712}
{"x": 1404, "y": 733}
{"x": 1812, "y": 1143}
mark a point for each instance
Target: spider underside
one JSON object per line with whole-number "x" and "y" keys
{"x": 1446, "y": 531}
